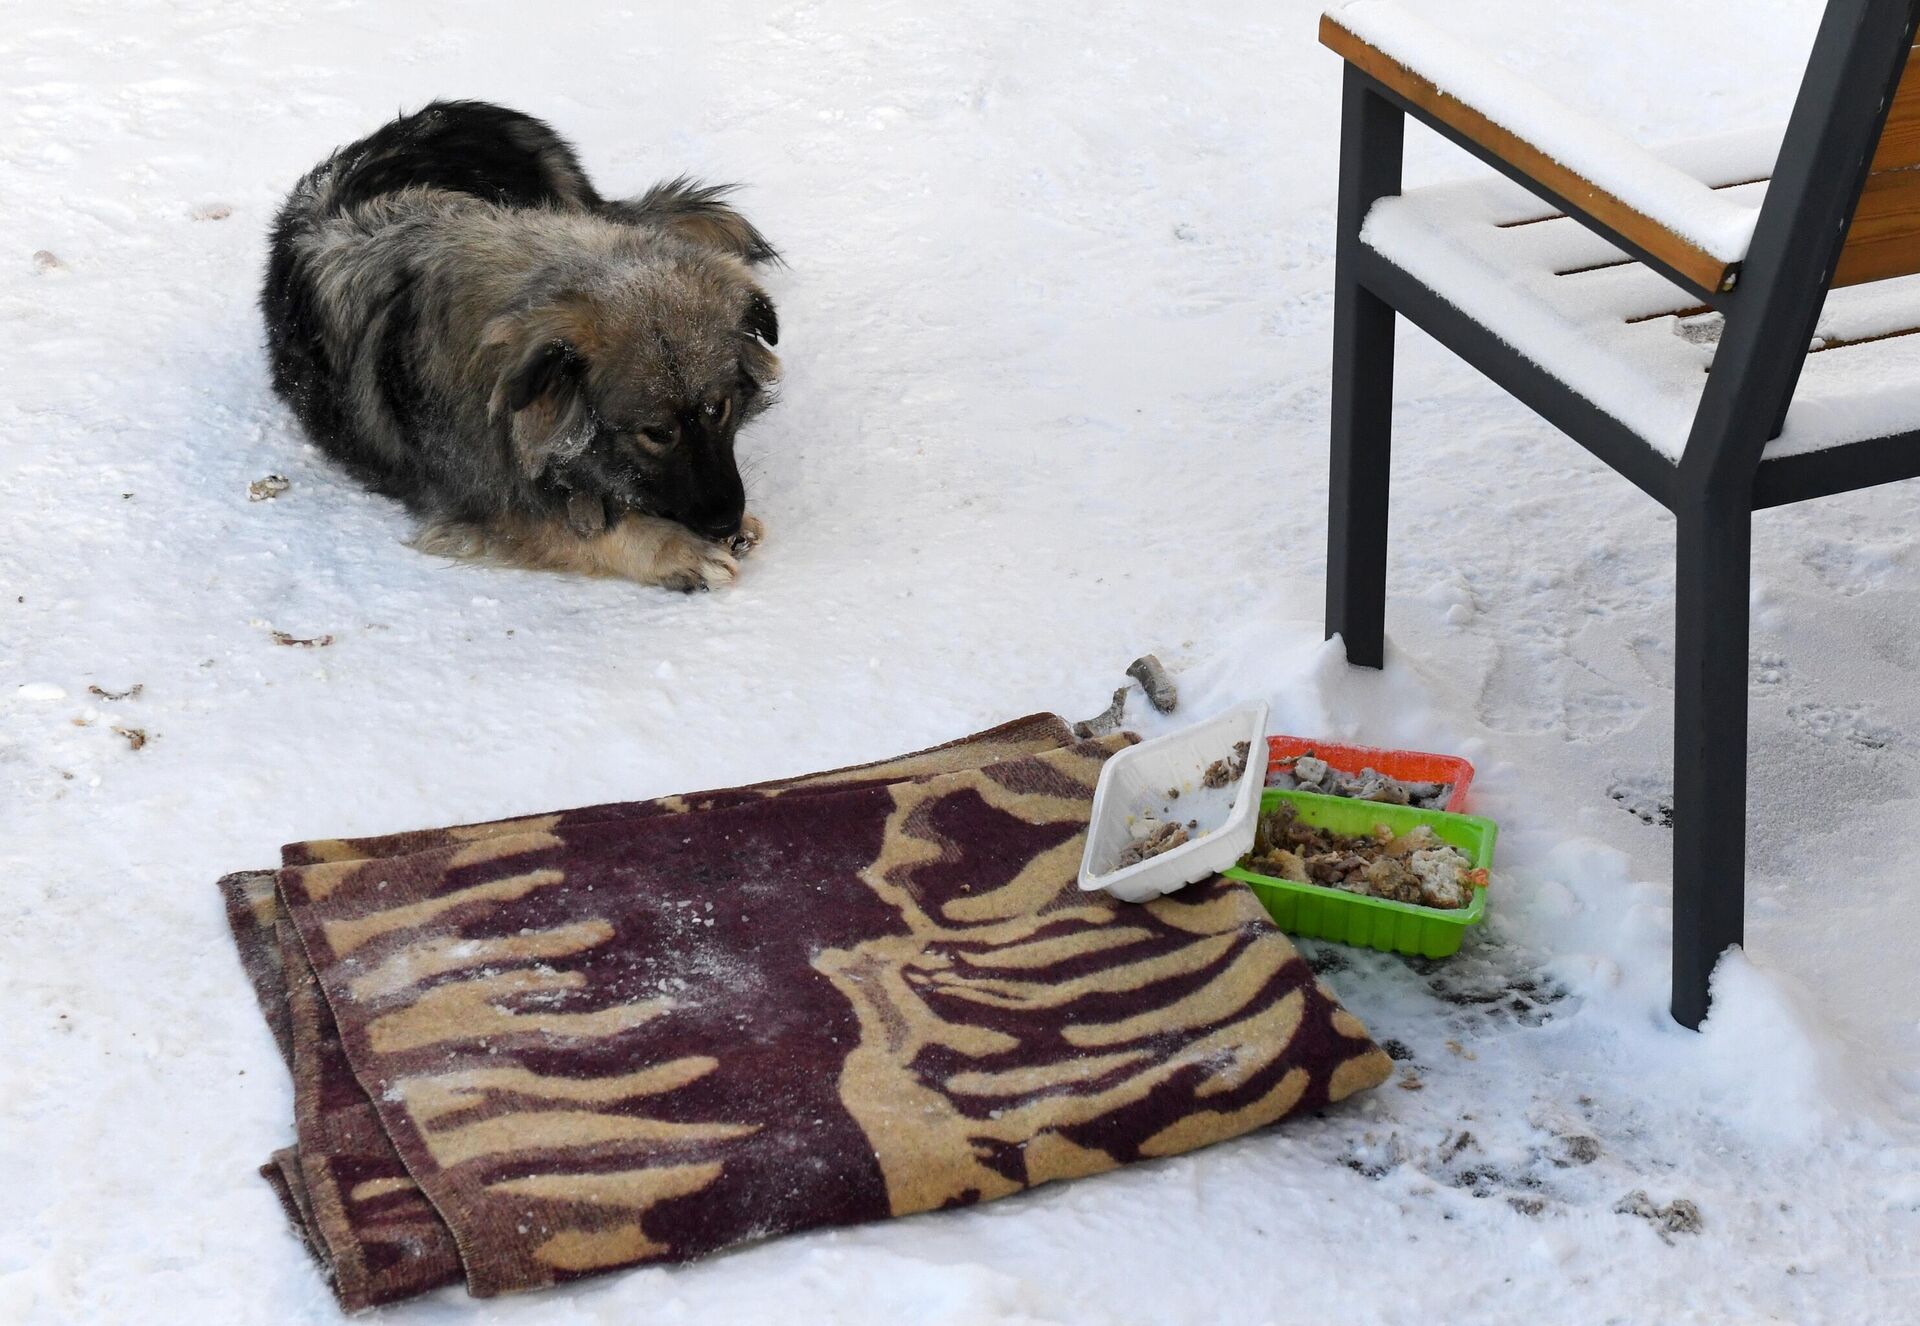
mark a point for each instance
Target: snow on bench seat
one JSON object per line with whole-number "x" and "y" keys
{"x": 1624, "y": 337}
{"x": 1660, "y": 190}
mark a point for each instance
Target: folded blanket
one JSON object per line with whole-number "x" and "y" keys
{"x": 534, "y": 1049}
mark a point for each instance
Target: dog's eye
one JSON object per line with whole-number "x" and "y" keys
{"x": 717, "y": 411}
{"x": 654, "y": 433}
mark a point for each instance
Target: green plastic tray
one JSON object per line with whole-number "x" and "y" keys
{"x": 1319, "y": 912}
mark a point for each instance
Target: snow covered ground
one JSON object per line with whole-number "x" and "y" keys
{"x": 1056, "y": 332}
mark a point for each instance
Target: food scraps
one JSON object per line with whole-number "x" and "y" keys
{"x": 1109, "y": 721}
{"x": 1413, "y": 867}
{"x": 1158, "y": 836}
{"x": 1227, "y": 770}
{"x": 1153, "y": 679}
{"x": 1680, "y": 1216}
{"x": 1308, "y": 773}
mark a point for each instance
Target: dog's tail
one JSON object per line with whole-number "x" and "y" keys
{"x": 696, "y": 211}
{"x": 471, "y": 147}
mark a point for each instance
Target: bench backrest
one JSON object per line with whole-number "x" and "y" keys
{"x": 1884, "y": 240}
{"x": 1816, "y": 220}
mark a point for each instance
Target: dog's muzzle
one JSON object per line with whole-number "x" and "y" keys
{"x": 717, "y": 530}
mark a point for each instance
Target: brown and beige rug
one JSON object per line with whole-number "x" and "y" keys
{"x": 535, "y": 1049}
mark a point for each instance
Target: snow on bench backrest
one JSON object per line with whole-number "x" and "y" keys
{"x": 1696, "y": 230}
{"x": 1699, "y": 231}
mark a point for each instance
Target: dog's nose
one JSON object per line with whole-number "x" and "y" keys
{"x": 718, "y": 530}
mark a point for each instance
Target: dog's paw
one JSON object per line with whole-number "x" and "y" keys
{"x": 691, "y": 565}
{"x": 752, "y": 531}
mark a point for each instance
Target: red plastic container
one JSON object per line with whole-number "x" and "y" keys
{"x": 1407, "y": 765}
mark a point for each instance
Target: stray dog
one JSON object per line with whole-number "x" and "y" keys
{"x": 550, "y": 378}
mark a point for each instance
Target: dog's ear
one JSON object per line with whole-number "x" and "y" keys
{"x": 759, "y": 328}
{"x": 760, "y": 318}
{"x": 539, "y": 390}
{"x": 545, "y": 370}
{"x": 697, "y": 212}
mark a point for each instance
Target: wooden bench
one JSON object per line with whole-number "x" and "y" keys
{"x": 1724, "y": 322}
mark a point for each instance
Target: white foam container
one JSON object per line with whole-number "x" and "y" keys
{"x": 1134, "y": 786}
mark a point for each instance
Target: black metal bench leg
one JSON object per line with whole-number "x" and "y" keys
{"x": 1709, "y": 744}
{"x": 1371, "y": 136}
{"x": 1357, "y": 486}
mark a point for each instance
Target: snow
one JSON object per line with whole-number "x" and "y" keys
{"x": 1565, "y": 299}
{"x": 1719, "y": 223}
{"x": 1056, "y": 333}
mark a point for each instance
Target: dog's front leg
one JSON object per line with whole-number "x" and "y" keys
{"x": 648, "y": 550}
{"x": 654, "y": 551}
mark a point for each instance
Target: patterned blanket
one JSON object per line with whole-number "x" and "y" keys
{"x": 534, "y": 1049}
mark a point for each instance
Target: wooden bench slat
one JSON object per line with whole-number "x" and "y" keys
{"x": 1884, "y": 240}
{"x": 1839, "y": 343}
{"x": 1682, "y": 255}
{"x": 1900, "y": 141}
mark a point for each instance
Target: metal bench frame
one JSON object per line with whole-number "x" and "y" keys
{"x": 1770, "y": 311}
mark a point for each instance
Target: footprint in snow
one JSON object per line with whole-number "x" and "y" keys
{"x": 1848, "y": 725}
{"x": 1539, "y": 691}
{"x": 1770, "y": 670}
{"x": 1853, "y": 568}
{"x": 1482, "y": 987}
{"x": 1646, "y": 797}
{"x": 1531, "y": 1172}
